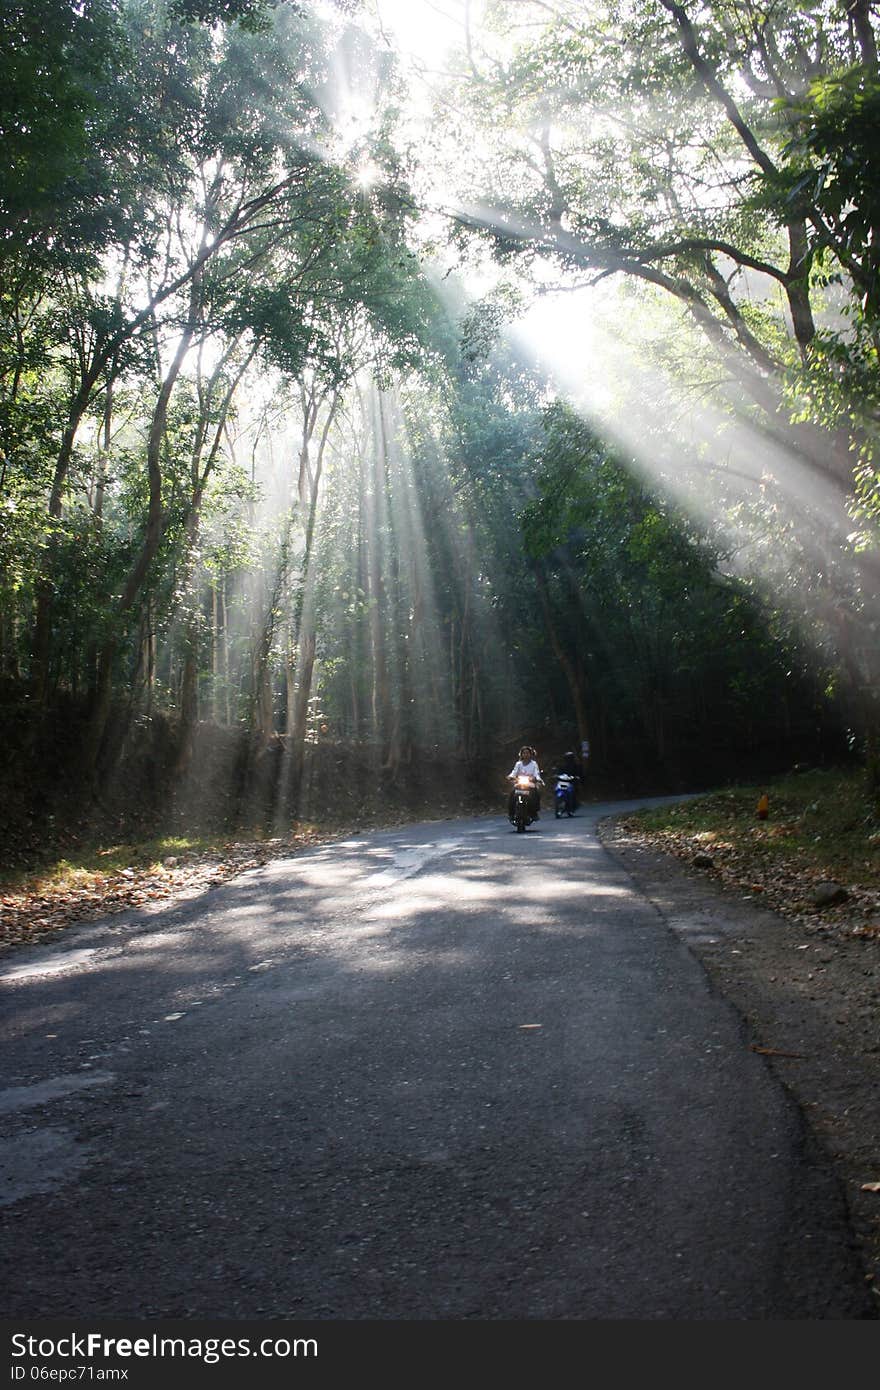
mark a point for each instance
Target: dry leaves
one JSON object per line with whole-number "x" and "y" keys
{"x": 783, "y": 881}
{"x": 27, "y": 915}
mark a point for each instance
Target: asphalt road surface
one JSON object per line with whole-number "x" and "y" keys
{"x": 442, "y": 1072}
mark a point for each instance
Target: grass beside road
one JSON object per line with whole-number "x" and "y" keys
{"x": 822, "y": 826}
{"x": 90, "y": 865}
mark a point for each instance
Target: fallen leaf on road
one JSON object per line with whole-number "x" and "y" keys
{"x": 870, "y": 1187}
{"x": 775, "y": 1052}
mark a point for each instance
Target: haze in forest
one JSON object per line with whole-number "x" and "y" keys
{"x": 385, "y": 385}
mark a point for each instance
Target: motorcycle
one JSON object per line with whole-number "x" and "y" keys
{"x": 523, "y": 810}
{"x": 564, "y": 795}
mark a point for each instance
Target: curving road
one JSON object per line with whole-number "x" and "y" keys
{"x": 440, "y": 1072}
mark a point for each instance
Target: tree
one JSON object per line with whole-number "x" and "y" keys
{"x": 668, "y": 656}
{"x": 244, "y": 218}
{"x": 710, "y": 155}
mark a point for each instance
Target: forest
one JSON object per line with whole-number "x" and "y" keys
{"x": 384, "y": 385}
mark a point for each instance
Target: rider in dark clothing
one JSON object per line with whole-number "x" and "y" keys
{"x": 571, "y": 765}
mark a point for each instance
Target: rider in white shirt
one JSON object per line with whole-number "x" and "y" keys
{"x": 526, "y": 765}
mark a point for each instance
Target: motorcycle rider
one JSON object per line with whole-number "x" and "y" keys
{"x": 527, "y": 766}
{"x": 571, "y": 766}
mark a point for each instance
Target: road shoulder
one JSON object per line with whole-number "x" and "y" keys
{"x": 808, "y": 1001}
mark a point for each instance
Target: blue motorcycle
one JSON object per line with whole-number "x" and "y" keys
{"x": 564, "y": 795}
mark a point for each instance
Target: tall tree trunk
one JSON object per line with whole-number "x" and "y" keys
{"x": 262, "y": 718}
{"x": 215, "y": 653}
{"x": 224, "y": 608}
{"x": 301, "y": 659}
{"x": 201, "y": 468}
{"x": 189, "y": 700}
{"x": 860, "y": 12}
{"x": 41, "y": 635}
{"x": 139, "y": 571}
{"x": 798, "y": 289}
{"x": 300, "y": 716}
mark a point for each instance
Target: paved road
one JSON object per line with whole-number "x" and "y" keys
{"x": 442, "y": 1072}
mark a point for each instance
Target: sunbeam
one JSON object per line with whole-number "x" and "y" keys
{"x": 699, "y": 443}
{"x": 291, "y": 510}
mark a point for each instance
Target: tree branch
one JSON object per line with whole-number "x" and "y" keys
{"x": 713, "y": 85}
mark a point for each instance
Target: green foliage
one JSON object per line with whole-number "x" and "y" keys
{"x": 835, "y": 160}
{"x": 254, "y": 470}
{"x": 723, "y": 157}
{"x": 686, "y": 150}
{"x": 252, "y": 15}
{"x": 677, "y": 657}
{"x": 55, "y": 59}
